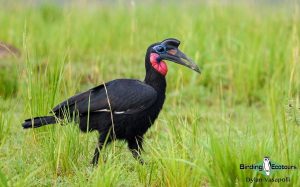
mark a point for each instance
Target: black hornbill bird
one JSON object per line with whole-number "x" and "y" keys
{"x": 123, "y": 108}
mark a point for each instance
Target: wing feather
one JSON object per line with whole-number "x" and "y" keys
{"x": 126, "y": 95}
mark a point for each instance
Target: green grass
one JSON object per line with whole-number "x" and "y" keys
{"x": 244, "y": 106}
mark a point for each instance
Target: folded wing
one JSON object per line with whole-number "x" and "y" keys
{"x": 125, "y": 96}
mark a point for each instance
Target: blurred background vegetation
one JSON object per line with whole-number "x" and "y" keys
{"x": 245, "y": 105}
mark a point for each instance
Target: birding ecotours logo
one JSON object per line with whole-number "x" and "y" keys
{"x": 267, "y": 167}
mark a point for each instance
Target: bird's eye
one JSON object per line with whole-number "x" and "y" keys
{"x": 160, "y": 49}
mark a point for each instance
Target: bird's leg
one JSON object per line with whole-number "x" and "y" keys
{"x": 135, "y": 145}
{"x": 102, "y": 139}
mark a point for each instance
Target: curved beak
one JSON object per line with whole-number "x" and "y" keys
{"x": 175, "y": 55}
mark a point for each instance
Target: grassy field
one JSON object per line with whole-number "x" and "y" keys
{"x": 244, "y": 106}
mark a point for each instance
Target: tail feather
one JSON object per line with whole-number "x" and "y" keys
{"x": 38, "y": 122}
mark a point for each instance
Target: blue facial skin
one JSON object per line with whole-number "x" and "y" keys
{"x": 160, "y": 49}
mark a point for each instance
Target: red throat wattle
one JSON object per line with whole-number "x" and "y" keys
{"x": 159, "y": 66}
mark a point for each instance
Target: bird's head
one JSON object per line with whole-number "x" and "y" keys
{"x": 168, "y": 50}
{"x": 266, "y": 159}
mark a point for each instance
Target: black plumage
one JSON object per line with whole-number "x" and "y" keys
{"x": 123, "y": 108}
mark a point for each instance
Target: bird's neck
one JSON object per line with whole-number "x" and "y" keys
{"x": 153, "y": 77}
{"x": 156, "y": 80}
